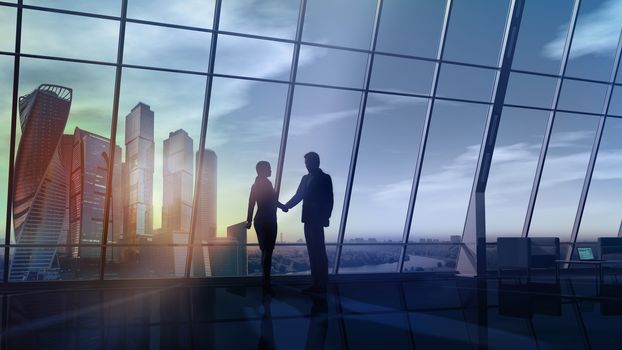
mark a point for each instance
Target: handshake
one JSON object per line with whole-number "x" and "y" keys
{"x": 282, "y": 206}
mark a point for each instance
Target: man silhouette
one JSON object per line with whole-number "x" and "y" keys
{"x": 316, "y": 193}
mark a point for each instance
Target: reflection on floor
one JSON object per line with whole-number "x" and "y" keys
{"x": 449, "y": 313}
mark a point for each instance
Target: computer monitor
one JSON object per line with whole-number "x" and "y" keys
{"x": 585, "y": 254}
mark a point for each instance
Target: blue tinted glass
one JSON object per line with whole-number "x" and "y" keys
{"x": 331, "y": 67}
{"x": 193, "y": 13}
{"x": 542, "y": 36}
{"x": 81, "y": 37}
{"x": 421, "y": 21}
{"x": 563, "y": 175}
{"x": 339, "y": 22}
{"x": 109, "y": 7}
{"x": 466, "y": 82}
{"x": 402, "y": 75}
{"x": 476, "y": 31}
{"x": 579, "y": 96}
{"x": 530, "y": 90}
{"x": 595, "y": 40}
{"x": 601, "y": 216}
{"x": 448, "y": 169}
{"x": 8, "y": 16}
{"x": 512, "y": 170}
{"x": 156, "y": 46}
{"x": 615, "y": 104}
{"x": 274, "y": 18}
{"x": 253, "y": 57}
{"x": 386, "y": 163}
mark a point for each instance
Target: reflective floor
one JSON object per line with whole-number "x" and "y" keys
{"x": 450, "y": 313}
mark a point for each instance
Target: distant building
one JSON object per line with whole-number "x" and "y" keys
{"x": 455, "y": 238}
{"x": 87, "y": 193}
{"x": 177, "y": 186}
{"x": 139, "y": 158}
{"x": 40, "y": 187}
{"x": 206, "y": 214}
{"x": 229, "y": 257}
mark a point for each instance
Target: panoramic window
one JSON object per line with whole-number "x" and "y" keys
{"x": 398, "y": 126}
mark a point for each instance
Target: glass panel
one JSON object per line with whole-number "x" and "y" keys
{"x": 563, "y": 174}
{"x": 195, "y": 13}
{"x": 62, "y": 156}
{"x": 581, "y": 96}
{"x": 615, "y": 104}
{"x": 420, "y": 21}
{"x": 402, "y": 75}
{"x": 245, "y": 124}
{"x": 155, "y": 46}
{"x": 274, "y": 18}
{"x": 603, "y": 209}
{"x": 288, "y": 260}
{"x": 340, "y": 22}
{"x": 253, "y": 57}
{"x": 512, "y": 170}
{"x": 542, "y": 36}
{"x": 148, "y": 261}
{"x": 328, "y": 129}
{"x": 8, "y": 17}
{"x": 530, "y": 90}
{"x": 476, "y": 31}
{"x": 466, "y": 82}
{"x": 385, "y": 167}
{"x": 52, "y": 34}
{"x": 432, "y": 257}
{"x": 595, "y": 40}
{"x": 369, "y": 258}
{"x": 110, "y": 7}
{"x": 448, "y": 169}
{"x": 67, "y": 263}
{"x": 331, "y": 67}
{"x": 6, "y": 96}
{"x": 159, "y": 126}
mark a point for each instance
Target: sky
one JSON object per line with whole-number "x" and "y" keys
{"x": 246, "y": 117}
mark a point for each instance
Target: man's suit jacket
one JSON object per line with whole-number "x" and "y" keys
{"x": 316, "y": 192}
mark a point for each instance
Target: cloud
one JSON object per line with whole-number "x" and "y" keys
{"x": 597, "y": 32}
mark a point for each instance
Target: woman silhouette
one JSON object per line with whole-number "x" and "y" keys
{"x": 264, "y": 195}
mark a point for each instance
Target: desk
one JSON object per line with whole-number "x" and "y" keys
{"x": 598, "y": 266}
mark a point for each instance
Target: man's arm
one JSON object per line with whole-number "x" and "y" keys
{"x": 298, "y": 196}
{"x": 329, "y": 195}
{"x": 251, "y": 207}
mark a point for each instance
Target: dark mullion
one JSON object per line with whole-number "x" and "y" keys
{"x": 113, "y": 140}
{"x": 9, "y": 199}
{"x": 290, "y": 97}
{"x": 424, "y": 137}
{"x": 205, "y": 117}
{"x": 551, "y": 120}
{"x": 357, "y": 137}
{"x": 594, "y": 154}
{"x": 475, "y": 227}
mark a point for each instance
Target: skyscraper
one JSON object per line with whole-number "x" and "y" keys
{"x": 87, "y": 192}
{"x": 139, "y": 156}
{"x": 40, "y": 188}
{"x": 206, "y": 215}
{"x": 177, "y": 186}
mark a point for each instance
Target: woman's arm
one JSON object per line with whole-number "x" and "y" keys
{"x": 281, "y": 206}
{"x": 251, "y": 207}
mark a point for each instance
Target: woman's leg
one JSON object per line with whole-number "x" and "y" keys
{"x": 266, "y": 264}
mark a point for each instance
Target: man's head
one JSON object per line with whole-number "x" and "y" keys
{"x": 312, "y": 161}
{"x": 263, "y": 168}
